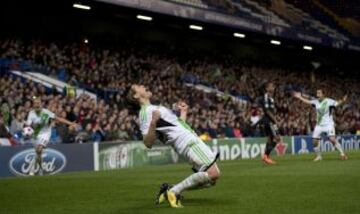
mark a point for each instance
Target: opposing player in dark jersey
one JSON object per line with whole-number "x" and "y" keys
{"x": 268, "y": 121}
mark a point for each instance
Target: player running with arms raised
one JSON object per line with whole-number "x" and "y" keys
{"x": 161, "y": 120}
{"x": 324, "y": 120}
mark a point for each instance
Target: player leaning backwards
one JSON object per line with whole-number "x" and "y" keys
{"x": 324, "y": 120}
{"x": 158, "y": 119}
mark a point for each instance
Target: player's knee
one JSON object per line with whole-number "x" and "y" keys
{"x": 332, "y": 139}
{"x": 214, "y": 176}
{"x": 214, "y": 173}
{"x": 277, "y": 139}
{"x": 315, "y": 142}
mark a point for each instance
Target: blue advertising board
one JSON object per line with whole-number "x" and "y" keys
{"x": 303, "y": 144}
{"x": 15, "y": 161}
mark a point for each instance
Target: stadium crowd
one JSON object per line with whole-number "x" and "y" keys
{"x": 171, "y": 77}
{"x": 99, "y": 121}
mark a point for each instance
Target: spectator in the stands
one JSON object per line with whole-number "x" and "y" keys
{"x": 109, "y": 72}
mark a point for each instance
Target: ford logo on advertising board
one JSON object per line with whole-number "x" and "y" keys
{"x": 52, "y": 162}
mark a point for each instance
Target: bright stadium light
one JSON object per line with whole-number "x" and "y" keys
{"x": 86, "y": 41}
{"x": 306, "y": 47}
{"x": 145, "y": 18}
{"x": 275, "y": 42}
{"x": 195, "y": 27}
{"x": 81, "y": 6}
{"x": 239, "y": 35}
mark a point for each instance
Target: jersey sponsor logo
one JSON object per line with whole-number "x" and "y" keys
{"x": 321, "y": 111}
{"x": 44, "y": 117}
{"x": 53, "y": 162}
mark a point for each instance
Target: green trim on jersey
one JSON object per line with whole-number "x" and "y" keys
{"x": 321, "y": 111}
{"x": 199, "y": 153}
{"x": 143, "y": 113}
{"x": 44, "y": 122}
{"x": 185, "y": 125}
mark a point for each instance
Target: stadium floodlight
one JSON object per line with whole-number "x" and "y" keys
{"x": 145, "y": 18}
{"x": 195, "y": 27}
{"x": 275, "y": 42}
{"x": 239, "y": 35}
{"x": 81, "y": 6}
{"x": 306, "y": 47}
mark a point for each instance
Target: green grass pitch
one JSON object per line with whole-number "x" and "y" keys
{"x": 295, "y": 185}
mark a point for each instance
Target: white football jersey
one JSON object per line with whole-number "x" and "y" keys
{"x": 173, "y": 128}
{"x": 324, "y": 111}
{"x": 40, "y": 122}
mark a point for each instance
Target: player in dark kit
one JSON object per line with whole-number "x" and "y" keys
{"x": 268, "y": 122}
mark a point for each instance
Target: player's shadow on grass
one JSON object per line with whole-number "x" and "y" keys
{"x": 187, "y": 202}
{"x": 208, "y": 201}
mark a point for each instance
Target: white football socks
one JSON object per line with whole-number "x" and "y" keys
{"x": 317, "y": 150}
{"x": 32, "y": 165}
{"x": 339, "y": 148}
{"x": 196, "y": 179}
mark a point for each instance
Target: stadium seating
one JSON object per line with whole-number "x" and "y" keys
{"x": 220, "y": 91}
{"x": 317, "y": 17}
{"x": 192, "y": 3}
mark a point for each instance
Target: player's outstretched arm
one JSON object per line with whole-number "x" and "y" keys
{"x": 150, "y": 137}
{"x": 298, "y": 95}
{"x": 65, "y": 121}
{"x": 342, "y": 101}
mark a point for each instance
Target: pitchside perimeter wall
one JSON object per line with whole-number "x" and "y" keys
{"x": 14, "y": 161}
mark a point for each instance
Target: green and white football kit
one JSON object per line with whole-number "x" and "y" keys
{"x": 41, "y": 124}
{"x": 179, "y": 135}
{"x": 324, "y": 117}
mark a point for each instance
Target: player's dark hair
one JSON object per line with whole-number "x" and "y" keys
{"x": 33, "y": 98}
{"x": 321, "y": 89}
{"x": 266, "y": 85}
{"x": 131, "y": 102}
{"x": 130, "y": 95}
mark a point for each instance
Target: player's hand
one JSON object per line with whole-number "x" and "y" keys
{"x": 182, "y": 106}
{"x": 296, "y": 94}
{"x": 276, "y": 126}
{"x": 155, "y": 116}
{"x": 74, "y": 126}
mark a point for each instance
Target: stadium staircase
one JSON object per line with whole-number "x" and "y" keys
{"x": 49, "y": 82}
